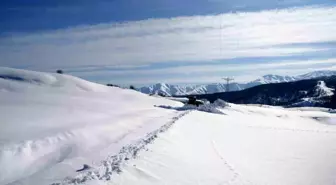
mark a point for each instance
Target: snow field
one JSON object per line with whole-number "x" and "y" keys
{"x": 248, "y": 145}
{"x": 51, "y": 125}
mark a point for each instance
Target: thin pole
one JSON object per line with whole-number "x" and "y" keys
{"x": 228, "y": 80}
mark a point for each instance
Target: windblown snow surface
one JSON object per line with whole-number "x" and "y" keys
{"x": 52, "y": 126}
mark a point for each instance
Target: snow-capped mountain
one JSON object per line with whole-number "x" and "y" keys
{"x": 168, "y": 90}
{"x": 315, "y": 74}
{"x": 266, "y": 79}
{"x": 301, "y": 93}
{"x": 172, "y": 90}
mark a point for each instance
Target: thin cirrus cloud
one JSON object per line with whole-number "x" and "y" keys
{"x": 210, "y": 73}
{"x": 193, "y": 39}
{"x": 198, "y": 69}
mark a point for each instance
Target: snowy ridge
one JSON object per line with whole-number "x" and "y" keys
{"x": 171, "y": 90}
{"x": 266, "y": 79}
{"x": 168, "y": 90}
{"x": 52, "y": 124}
{"x": 316, "y": 74}
{"x": 16, "y": 80}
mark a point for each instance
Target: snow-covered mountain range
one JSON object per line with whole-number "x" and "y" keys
{"x": 171, "y": 90}
{"x": 318, "y": 92}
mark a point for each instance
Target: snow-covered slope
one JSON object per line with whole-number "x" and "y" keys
{"x": 317, "y": 97}
{"x": 248, "y": 145}
{"x": 171, "y": 90}
{"x": 322, "y": 90}
{"x": 52, "y": 124}
{"x": 15, "y": 80}
{"x": 58, "y": 129}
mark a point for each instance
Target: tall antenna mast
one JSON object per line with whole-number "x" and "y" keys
{"x": 228, "y": 80}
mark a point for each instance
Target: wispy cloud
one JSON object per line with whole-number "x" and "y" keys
{"x": 209, "y": 73}
{"x": 181, "y": 39}
{"x": 197, "y": 69}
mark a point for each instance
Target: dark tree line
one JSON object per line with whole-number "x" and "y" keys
{"x": 113, "y": 85}
{"x": 333, "y": 101}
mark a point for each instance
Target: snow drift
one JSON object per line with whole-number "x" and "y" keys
{"x": 52, "y": 124}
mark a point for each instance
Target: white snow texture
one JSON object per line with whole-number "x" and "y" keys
{"x": 54, "y": 124}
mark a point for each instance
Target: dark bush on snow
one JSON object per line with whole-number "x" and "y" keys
{"x": 112, "y": 85}
{"x": 59, "y": 71}
{"x": 193, "y": 101}
{"x": 132, "y": 87}
{"x": 161, "y": 94}
{"x": 210, "y": 108}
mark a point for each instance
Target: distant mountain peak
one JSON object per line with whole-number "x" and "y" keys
{"x": 171, "y": 90}
{"x": 316, "y": 74}
{"x": 270, "y": 78}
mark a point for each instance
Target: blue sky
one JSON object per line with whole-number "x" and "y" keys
{"x": 173, "y": 41}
